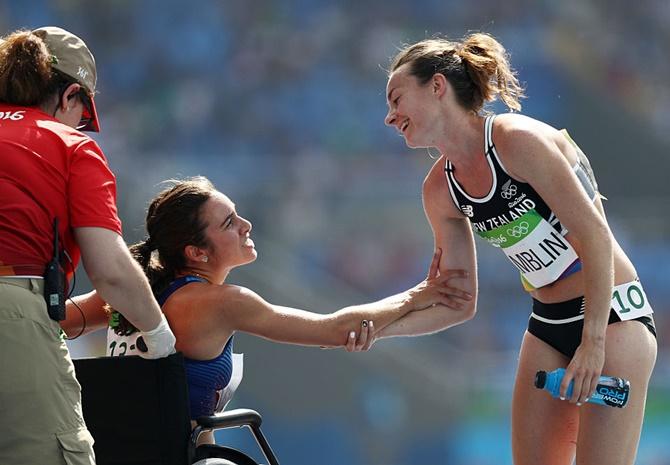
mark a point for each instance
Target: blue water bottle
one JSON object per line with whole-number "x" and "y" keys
{"x": 610, "y": 391}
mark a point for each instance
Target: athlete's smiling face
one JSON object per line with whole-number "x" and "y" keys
{"x": 228, "y": 234}
{"x": 413, "y": 107}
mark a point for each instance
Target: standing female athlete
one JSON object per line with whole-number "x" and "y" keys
{"x": 527, "y": 189}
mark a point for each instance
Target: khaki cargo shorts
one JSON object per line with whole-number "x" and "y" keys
{"x": 40, "y": 400}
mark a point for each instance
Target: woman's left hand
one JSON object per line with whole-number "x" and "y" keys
{"x": 366, "y": 337}
{"x": 436, "y": 289}
{"x": 585, "y": 369}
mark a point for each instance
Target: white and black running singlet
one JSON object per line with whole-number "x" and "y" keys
{"x": 513, "y": 217}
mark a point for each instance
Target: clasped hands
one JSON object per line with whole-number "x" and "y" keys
{"x": 434, "y": 291}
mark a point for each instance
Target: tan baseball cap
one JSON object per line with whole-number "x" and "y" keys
{"x": 72, "y": 57}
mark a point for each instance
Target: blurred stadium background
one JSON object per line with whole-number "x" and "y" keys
{"x": 281, "y": 104}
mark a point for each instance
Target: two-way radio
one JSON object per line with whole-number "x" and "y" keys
{"x": 54, "y": 282}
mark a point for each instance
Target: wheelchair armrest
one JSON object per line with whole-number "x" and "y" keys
{"x": 231, "y": 419}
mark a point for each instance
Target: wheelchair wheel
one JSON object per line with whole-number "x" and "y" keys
{"x": 208, "y": 451}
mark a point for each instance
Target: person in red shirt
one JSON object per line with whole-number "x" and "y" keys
{"x": 54, "y": 178}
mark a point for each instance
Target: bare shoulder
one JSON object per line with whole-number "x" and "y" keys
{"x": 225, "y": 297}
{"x": 513, "y": 128}
{"x": 207, "y": 300}
{"x": 521, "y": 140}
{"x": 203, "y": 317}
{"x": 232, "y": 296}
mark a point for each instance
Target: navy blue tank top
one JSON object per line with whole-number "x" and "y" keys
{"x": 204, "y": 377}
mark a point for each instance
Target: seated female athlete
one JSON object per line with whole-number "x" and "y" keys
{"x": 195, "y": 238}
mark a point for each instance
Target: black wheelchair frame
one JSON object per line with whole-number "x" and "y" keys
{"x": 137, "y": 411}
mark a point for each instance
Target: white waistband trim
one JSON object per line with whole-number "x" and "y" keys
{"x": 557, "y": 322}
{"x": 21, "y": 277}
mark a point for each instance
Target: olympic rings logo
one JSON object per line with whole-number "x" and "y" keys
{"x": 519, "y": 230}
{"x": 508, "y": 191}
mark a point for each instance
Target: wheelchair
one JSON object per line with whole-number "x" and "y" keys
{"x": 138, "y": 413}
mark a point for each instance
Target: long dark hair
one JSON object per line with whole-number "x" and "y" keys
{"x": 174, "y": 220}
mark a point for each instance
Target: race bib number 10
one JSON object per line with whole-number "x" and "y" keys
{"x": 630, "y": 301}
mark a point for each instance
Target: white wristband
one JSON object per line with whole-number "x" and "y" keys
{"x": 159, "y": 341}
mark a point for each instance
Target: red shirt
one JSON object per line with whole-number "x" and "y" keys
{"x": 48, "y": 170}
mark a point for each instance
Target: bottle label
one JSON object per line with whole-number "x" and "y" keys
{"x": 630, "y": 301}
{"x": 610, "y": 395}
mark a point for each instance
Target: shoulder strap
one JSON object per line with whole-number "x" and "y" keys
{"x": 177, "y": 284}
{"x": 488, "y": 134}
{"x": 490, "y": 147}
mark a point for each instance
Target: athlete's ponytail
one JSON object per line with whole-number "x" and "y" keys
{"x": 488, "y": 66}
{"x": 158, "y": 277}
{"x": 477, "y": 68}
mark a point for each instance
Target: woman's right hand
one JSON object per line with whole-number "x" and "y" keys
{"x": 436, "y": 288}
{"x": 159, "y": 342}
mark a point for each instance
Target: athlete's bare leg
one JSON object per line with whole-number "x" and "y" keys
{"x": 544, "y": 429}
{"x": 611, "y": 435}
